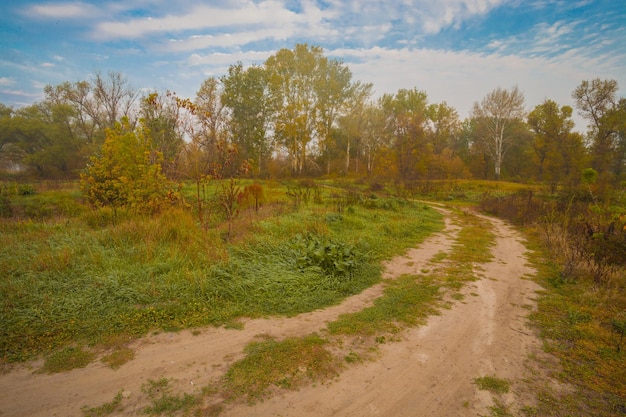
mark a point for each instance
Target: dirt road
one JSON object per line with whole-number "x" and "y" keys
{"x": 430, "y": 372}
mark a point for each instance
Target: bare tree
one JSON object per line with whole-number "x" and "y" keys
{"x": 494, "y": 114}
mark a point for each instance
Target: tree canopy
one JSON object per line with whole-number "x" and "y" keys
{"x": 301, "y": 113}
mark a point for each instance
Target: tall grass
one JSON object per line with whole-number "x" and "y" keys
{"x": 76, "y": 280}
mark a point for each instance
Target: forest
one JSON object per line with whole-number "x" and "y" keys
{"x": 280, "y": 188}
{"x": 302, "y": 114}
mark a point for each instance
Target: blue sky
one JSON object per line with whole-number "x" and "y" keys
{"x": 455, "y": 50}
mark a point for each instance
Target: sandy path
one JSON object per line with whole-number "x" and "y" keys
{"x": 430, "y": 372}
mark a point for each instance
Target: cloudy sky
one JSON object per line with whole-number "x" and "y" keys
{"x": 455, "y": 50}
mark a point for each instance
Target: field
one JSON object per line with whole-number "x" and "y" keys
{"x": 84, "y": 285}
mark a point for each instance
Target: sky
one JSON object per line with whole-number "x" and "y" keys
{"x": 457, "y": 51}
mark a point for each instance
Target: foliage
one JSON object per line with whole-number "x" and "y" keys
{"x": 333, "y": 258}
{"x": 128, "y": 173}
{"x": 497, "y": 111}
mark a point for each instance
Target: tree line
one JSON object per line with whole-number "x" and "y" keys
{"x": 302, "y": 114}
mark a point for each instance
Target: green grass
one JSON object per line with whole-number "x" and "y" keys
{"x": 493, "y": 384}
{"x": 80, "y": 280}
{"x": 406, "y": 301}
{"x": 67, "y": 359}
{"x": 285, "y": 364}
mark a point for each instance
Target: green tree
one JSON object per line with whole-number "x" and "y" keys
{"x": 557, "y": 151}
{"x": 307, "y": 93}
{"x": 161, "y": 116}
{"x": 443, "y": 127}
{"x": 245, "y": 94}
{"x": 44, "y": 140}
{"x": 127, "y": 174}
{"x": 498, "y": 110}
{"x": 597, "y": 102}
{"x": 8, "y": 137}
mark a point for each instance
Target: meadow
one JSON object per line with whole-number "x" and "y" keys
{"x": 77, "y": 275}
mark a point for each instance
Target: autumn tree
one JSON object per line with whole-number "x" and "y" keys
{"x": 557, "y": 150}
{"x": 127, "y": 173}
{"x": 307, "y": 92}
{"x": 405, "y": 114}
{"x": 373, "y": 138}
{"x": 496, "y": 112}
{"x": 443, "y": 127}
{"x": 597, "y": 102}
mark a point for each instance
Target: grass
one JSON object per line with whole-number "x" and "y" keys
{"x": 406, "y": 301}
{"x": 67, "y": 359}
{"x": 163, "y": 401}
{"x": 77, "y": 280}
{"x": 106, "y": 408}
{"x": 492, "y": 384}
{"x": 285, "y": 364}
{"x": 574, "y": 320}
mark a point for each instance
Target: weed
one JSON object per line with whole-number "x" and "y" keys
{"x": 104, "y": 409}
{"x": 352, "y": 357}
{"x": 163, "y": 401}
{"x": 67, "y": 359}
{"x": 493, "y": 384}
{"x": 119, "y": 357}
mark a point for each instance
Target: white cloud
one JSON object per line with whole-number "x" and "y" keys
{"x": 6, "y": 81}
{"x": 201, "y": 17}
{"x": 73, "y": 10}
{"x": 47, "y": 65}
{"x": 462, "y": 78}
{"x": 223, "y": 60}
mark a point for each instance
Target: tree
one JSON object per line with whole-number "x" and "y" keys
{"x": 8, "y": 137}
{"x": 556, "y": 148}
{"x": 373, "y": 135}
{"x": 127, "y": 174}
{"x": 245, "y": 96}
{"x": 160, "y": 114}
{"x": 443, "y": 127}
{"x": 494, "y": 114}
{"x": 598, "y": 103}
{"x": 307, "y": 93}
{"x": 43, "y": 140}
{"x": 405, "y": 114}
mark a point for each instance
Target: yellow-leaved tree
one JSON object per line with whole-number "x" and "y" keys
{"x": 127, "y": 173}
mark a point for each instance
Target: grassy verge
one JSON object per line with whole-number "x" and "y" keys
{"x": 577, "y": 321}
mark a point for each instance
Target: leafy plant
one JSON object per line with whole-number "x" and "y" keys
{"x": 333, "y": 257}
{"x": 127, "y": 173}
